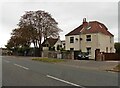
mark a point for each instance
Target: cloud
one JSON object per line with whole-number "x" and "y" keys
{"x": 69, "y": 15}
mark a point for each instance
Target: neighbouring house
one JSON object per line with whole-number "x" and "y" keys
{"x": 63, "y": 44}
{"x": 4, "y": 51}
{"x": 53, "y": 44}
{"x": 90, "y": 36}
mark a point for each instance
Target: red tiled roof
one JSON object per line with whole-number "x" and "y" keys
{"x": 90, "y": 27}
{"x": 76, "y": 31}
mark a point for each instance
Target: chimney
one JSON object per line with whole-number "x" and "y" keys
{"x": 84, "y": 22}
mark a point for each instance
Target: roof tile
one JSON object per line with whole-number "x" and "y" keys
{"x": 90, "y": 27}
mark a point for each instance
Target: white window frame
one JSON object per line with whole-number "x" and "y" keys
{"x": 72, "y": 40}
{"x": 88, "y": 38}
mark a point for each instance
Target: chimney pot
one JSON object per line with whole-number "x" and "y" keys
{"x": 84, "y": 20}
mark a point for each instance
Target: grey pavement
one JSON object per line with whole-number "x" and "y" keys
{"x": 22, "y": 71}
{"x": 91, "y": 64}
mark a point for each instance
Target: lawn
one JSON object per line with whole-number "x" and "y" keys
{"x": 49, "y": 60}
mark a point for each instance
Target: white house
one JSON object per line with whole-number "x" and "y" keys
{"x": 90, "y": 36}
{"x": 53, "y": 44}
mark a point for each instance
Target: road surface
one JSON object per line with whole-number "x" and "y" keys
{"x": 22, "y": 71}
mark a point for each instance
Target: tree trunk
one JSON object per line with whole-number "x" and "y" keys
{"x": 40, "y": 44}
{"x": 40, "y": 50}
{"x": 34, "y": 49}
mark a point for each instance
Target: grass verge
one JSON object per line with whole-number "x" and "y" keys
{"x": 49, "y": 60}
{"x": 115, "y": 69}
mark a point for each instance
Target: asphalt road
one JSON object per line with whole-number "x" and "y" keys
{"x": 22, "y": 71}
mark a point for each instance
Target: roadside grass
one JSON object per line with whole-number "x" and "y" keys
{"x": 49, "y": 60}
{"x": 117, "y": 68}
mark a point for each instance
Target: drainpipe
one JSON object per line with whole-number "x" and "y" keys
{"x": 80, "y": 41}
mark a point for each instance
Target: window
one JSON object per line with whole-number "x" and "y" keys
{"x": 89, "y": 27}
{"x": 88, "y": 37}
{"x": 58, "y": 47}
{"x": 71, "y": 49}
{"x": 71, "y": 39}
{"x": 110, "y": 49}
{"x": 52, "y": 48}
{"x": 88, "y": 50}
{"x": 106, "y": 49}
{"x": 100, "y": 26}
{"x": 46, "y": 45}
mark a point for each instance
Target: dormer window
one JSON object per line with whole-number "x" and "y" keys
{"x": 88, "y": 28}
{"x": 100, "y": 26}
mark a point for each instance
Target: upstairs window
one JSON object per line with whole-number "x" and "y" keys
{"x": 88, "y": 37}
{"x": 71, "y": 39}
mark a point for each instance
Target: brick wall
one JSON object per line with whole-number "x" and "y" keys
{"x": 111, "y": 56}
{"x": 101, "y": 56}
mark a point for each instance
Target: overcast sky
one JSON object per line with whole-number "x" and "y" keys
{"x": 69, "y": 15}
